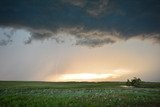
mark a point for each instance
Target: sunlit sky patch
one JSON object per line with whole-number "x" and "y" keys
{"x": 79, "y": 40}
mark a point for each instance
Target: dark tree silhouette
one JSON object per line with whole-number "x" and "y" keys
{"x": 128, "y": 83}
{"x": 136, "y": 82}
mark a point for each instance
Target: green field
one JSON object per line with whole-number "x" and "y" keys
{"x": 77, "y": 94}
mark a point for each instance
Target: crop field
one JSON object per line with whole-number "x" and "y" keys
{"x": 77, "y": 94}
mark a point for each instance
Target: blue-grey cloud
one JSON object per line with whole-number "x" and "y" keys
{"x": 6, "y": 37}
{"x": 4, "y": 42}
{"x": 129, "y": 18}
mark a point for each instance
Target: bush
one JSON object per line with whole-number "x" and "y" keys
{"x": 128, "y": 83}
{"x": 136, "y": 82}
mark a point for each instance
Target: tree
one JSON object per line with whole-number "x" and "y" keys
{"x": 128, "y": 83}
{"x": 136, "y": 82}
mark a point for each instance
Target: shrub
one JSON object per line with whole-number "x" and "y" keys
{"x": 136, "y": 82}
{"x": 128, "y": 83}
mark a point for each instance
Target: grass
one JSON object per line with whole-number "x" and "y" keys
{"x": 77, "y": 94}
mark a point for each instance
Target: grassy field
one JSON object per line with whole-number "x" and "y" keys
{"x": 81, "y": 94}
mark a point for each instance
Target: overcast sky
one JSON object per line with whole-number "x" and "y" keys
{"x": 79, "y": 40}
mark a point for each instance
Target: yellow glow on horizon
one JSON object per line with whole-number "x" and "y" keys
{"x": 89, "y": 76}
{"x": 84, "y": 76}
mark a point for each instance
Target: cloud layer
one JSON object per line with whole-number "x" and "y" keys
{"x": 91, "y": 22}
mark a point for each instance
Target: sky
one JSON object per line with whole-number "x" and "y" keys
{"x": 79, "y": 40}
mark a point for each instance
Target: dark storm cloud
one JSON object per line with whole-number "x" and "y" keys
{"x": 92, "y": 7}
{"x": 38, "y": 36}
{"x": 129, "y": 18}
{"x": 94, "y": 42}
